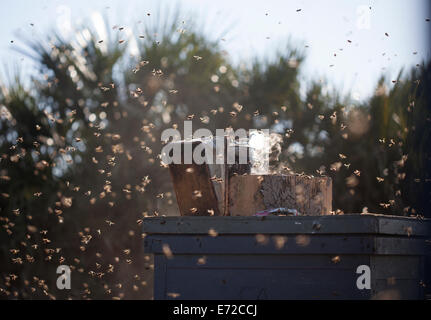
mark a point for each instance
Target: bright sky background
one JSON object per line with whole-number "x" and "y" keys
{"x": 257, "y": 28}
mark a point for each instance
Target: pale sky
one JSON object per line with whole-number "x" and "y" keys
{"x": 258, "y": 28}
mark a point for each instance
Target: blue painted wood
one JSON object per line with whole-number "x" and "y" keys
{"x": 344, "y": 224}
{"x": 304, "y": 262}
{"x": 295, "y": 244}
{"x": 275, "y": 277}
{"x": 160, "y": 273}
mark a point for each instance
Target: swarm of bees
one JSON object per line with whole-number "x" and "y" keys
{"x": 155, "y": 98}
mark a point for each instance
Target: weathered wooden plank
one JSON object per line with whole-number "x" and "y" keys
{"x": 160, "y": 285}
{"x": 395, "y": 267}
{"x": 280, "y": 244}
{"x": 277, "y": 261}
{"x": 406, "y": 245}
{"x": 403, "y": 226}
{"x": 303, "y": 257}
{"x": 344, "y": 224}
{"x": 249, "y": 194}
{"x": 269, "y": 277}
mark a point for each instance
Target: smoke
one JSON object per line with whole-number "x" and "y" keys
{"x": 265, "y": 150}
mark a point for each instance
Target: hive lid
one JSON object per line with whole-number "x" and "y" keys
{"x": 343, "y": 224}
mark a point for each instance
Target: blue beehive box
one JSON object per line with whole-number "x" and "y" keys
{"x": 284, "y": 257}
